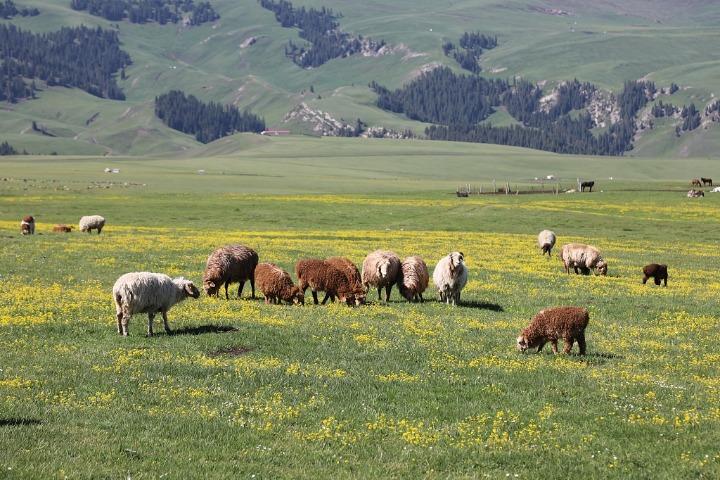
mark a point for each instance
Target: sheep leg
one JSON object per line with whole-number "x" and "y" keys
{"x": 581, "y": 343}
{"x": 314, "y": 294}
{"x": 553, "y": 344}
{"x": 568, "y": 345}
{"x": 388, "y": 288}
{"x": 645, "y": 279}
{"x": 252, "y": 285}
{"x": 227, "y": 297}
{"x": 540, "y": 347}
{"x": 240, "y": 289}
{"x": 327, "y": 295}
{"x": 165, "y": 322}
{"x": 150, "y": 322}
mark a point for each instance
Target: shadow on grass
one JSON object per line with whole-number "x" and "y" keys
{"x": 18, "y": 422}
{"x": 203, "y": 329}
{"x": 482, "y": 305}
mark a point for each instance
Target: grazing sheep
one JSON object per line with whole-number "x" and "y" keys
{"x": 380, "y": 269}
{"x": 27, "y": 225}
{"x": 655, "y": 271}
{"x": 276, "y": 284}
{"x": 90, "y": 222}
{"x": 450, "y": 277}
{"x": 584, "y": 257}
{"x": 567, "y": 323}
{"x": 151, "y": 293}
{"x": 413, "y": 278}
{"x": 321, "y": 276}
{"x": 62, "y": 228}
{"x": 351, "y": 272}
{"x": 229, "y": 264}
{"x": 546, "y": 240}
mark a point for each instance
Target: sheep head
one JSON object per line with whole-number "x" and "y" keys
{"x": 210, "y": 287}
{"x": 188, "y": 286}
{"x": 602, "y": 266}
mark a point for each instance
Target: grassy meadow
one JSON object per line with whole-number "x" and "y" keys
{"x": 387, "y": 390}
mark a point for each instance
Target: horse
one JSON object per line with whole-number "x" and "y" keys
{"x": 696, "y": 183}
{"x": 589, "y": 185}
{"x": 706, "y": 181}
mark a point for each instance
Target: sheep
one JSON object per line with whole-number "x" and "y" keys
{"x": 567, "y": 323}
{"x": 27, "y": 225}
{"x": 450, "y": 277}
{"x": 546, "y": 240}
{"x": 321, "y": 276}
{"x": 351, "y": 272}
{"x": 90, "y": 222}
{"x": 380, "y": 269}
{"x": 584, "y": 257}
{"x": 62, "y": 228}
{"x": 151, "y": 293}
{"x": 413, "y": 278}
{"x": 229, "y": 264}
{"x": 276, "y": 284}
{"x": 655, "y": 271}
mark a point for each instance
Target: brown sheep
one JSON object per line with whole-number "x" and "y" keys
{"x": 413, "y": 278}
{"x": 232, "y": 263}
{"x": 655, "y": 271}
{"x": 27, "y": 225}
{"x": 351, "y": 272}
{"x": 62, "y": 228}
{"x": 584, "y": 257}
{"x": 380, "y": 269}
{"x": 276, "y": 284}
{"x": 567, "y": 323}
{"x": 321, "y": 276}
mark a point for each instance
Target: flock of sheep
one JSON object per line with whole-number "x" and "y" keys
{"x": 339, "y": 278}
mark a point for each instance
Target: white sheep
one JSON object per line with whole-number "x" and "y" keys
{"x": 90, "y": 222}
{"x": 450, "y": 277}
{"x": 151, "y": 293}
{"x": 584, "y": 257}
{"x": 546, "y": 240}
{"x": 380, "y": 269}
{"x": 413, "y": 278}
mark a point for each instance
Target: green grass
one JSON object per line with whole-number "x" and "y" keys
{"x": 391, "y": 390}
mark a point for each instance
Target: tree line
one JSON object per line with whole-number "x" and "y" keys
{"x": 207, "y": 122}
{"x": 9, "y": 10}
{"x": 472, "y": 44}
{"x": 79, "y": 57}
{"x": 321, "y": 30}
{"x": 143, "y": 11}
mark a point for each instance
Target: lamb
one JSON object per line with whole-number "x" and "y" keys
{"x": 229, "y": 264}
{"x": 658, "y": 272}
{"x": 351, "y": 272}
{"x": 321, "y": 276}
{"x": 27, "y": 225}
{"x": 151, "y": 293}
{"x": 276, "y": 284}
{"x": 380, "y": 269}
{"x": 567, "y": 323}
{"x": 450, "y": 277}
{"x": 546, "y": 240}
{"x": 413, "y": 278}
{"x": 62, "y": 228}
{"x": 584, "y": 257}
{"x": 90, "y": 222}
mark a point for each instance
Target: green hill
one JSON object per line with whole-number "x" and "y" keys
{"x": 240, "y": 60}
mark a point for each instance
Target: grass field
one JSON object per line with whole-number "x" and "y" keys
{"x": 387, "y": 390}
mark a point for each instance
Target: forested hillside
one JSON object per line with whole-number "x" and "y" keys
{"x": 591, "y": 80}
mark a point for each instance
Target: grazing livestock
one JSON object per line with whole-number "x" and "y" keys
{"x": 62, "y": 228}
{"x": 546, "y": 240}
{"x": 27, "y": 225}
{"x": 276, "y": 284}
{"x": 229, "y": 264}
{"x": 585, "y": 185}
{"x": 657, "y": 272}
{"x": 706, "y": 181}
{"x": 413, "y": 278}
{"x": 89, "y": 223}
{"x": 151, "y": 293}
{"x": 321, "y": 276}
{"x": 380, "y": 269}
{"x": 696, "y": 183}
{"x": 584, "y": 257}
{"x": 566, "y": 323}
{"x": 450, "y": 277}
{"x": 351, "y": 272}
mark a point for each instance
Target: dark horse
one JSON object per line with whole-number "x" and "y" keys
{"x": 584, "y": 185}
{"x": 706, "y": 181}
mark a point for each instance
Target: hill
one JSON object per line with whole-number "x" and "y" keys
{"x": 240, "y": 59}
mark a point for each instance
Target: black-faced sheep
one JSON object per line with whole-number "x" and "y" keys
{"x": 151, "y": 293}
{"x": 62, "y": 228}
{"x": 229, "y": 264}
{"x": 320, "y": 276}
{"x": 656, "y": 271}
{"x": 567, "y": 323}
{"x": 89, "y": 223}
{"x": 450, "y": 277}
{"x": 380, "y": 270}
{"x": 351, "y": 272}
{"x": 276, "y": 284}
{"x": 585, "y": 257}
{"x": 546, "y": 240}
{"x": 413, "y": 278}
{"x": 27, "y": 225}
